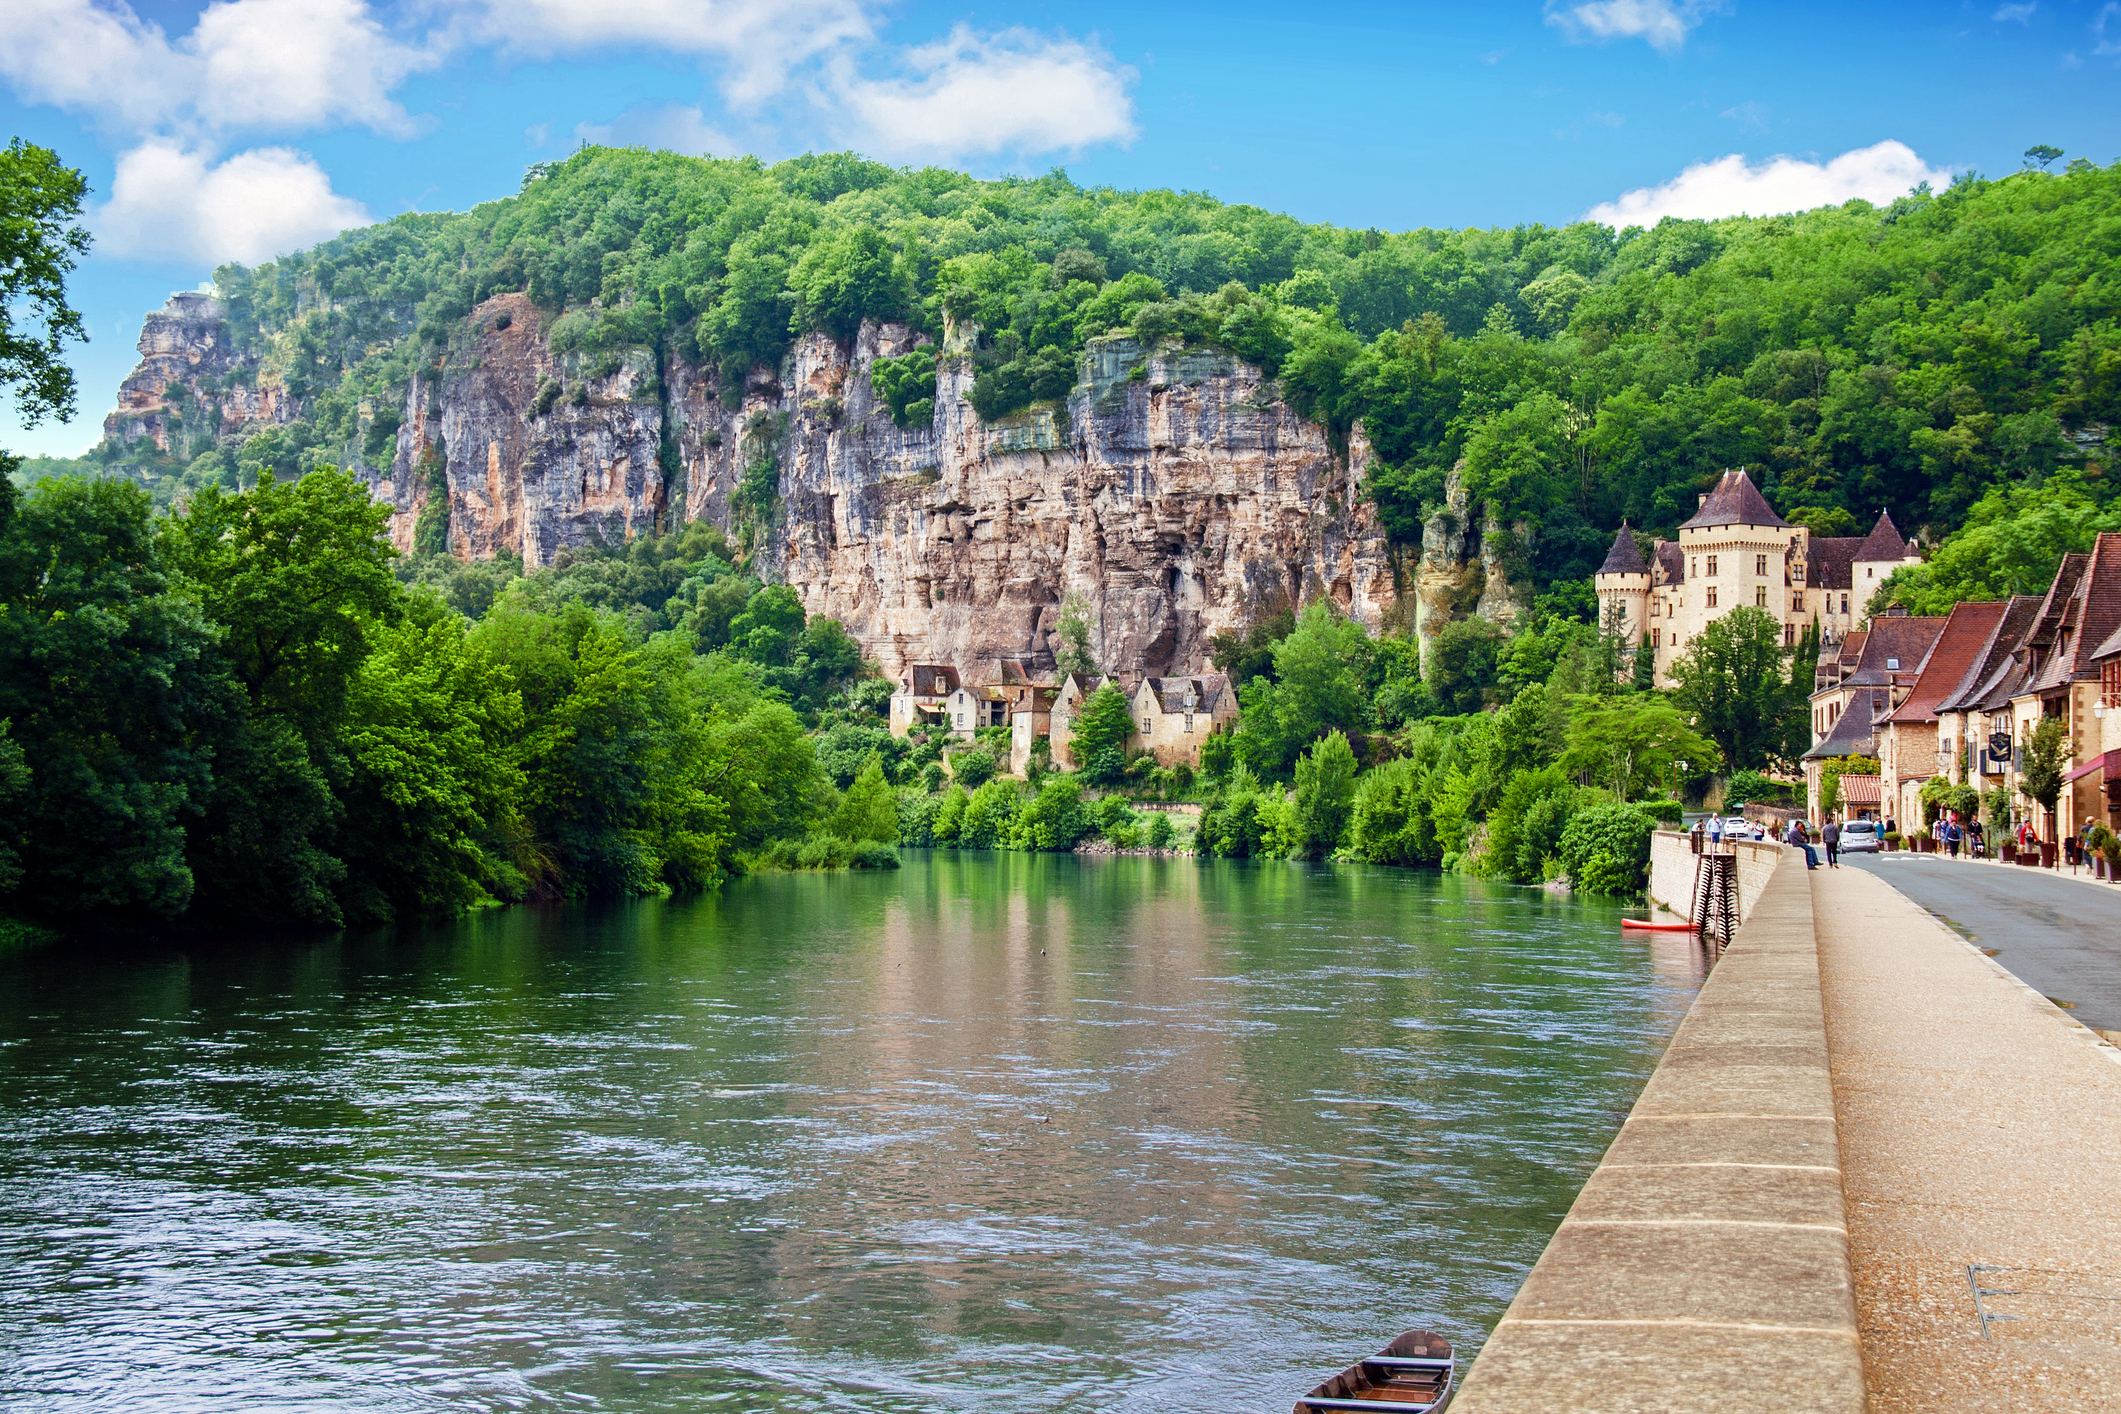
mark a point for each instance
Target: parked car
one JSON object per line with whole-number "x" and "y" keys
{"x": 1737, "y": 827}
{"x": 1859, "y": 837}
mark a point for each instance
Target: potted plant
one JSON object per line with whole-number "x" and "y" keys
{"x": 1891, "y": 840}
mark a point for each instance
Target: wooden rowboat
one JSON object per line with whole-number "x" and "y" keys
{"x": 1412, "y": 1375}
{"x": 1641, "y": 926}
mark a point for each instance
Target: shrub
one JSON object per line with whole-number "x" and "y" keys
{"x": 1230, "y": 827}
{"x": 932, "y": 777}
{"x": 1325, "y": 796}
{"x": 1054, "y": 819}
{"x": 916, "y": 820}
{"x": 987, "y": 816}
{"x": 1606, "y": 849}
{"x": 949, "y": 816}
{"x": 973, "y": 768}
{"x": 873, "y": 854}
{"x": 1664, "y": 812}
{"x": 868, "y": 811}
{"x": 1390, "y": 822}
{"x": 824, "y": 852}
{"x": 1158, "y": 833}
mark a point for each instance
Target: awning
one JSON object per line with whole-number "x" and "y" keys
{"x": 2110, "y": 764}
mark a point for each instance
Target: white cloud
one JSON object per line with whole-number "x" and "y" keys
{"x": 1663, "y": 23}
{"x": 1748, "y": 115}
{"x": 2020, "y": 13}
{"x": 673, "y": 126}
{"x": 169, "y": 202}
{"x": 275, "y": 64}
{"x": 762, "y": 40}
{"x": 1016, "y": 91}
{"x": 1729, "y": 186}
{"x": 2107, "y": 12}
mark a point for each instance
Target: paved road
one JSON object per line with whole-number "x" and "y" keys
{"x": 2057, "y": 935}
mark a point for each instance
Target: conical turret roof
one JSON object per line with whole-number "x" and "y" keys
{"x": 1736, "y": 501}
{"x": 1626, "y": 556}
{"x": 1885, "y": 542}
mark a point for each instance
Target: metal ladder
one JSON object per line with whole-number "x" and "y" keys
{"x": 1716, "y": 897}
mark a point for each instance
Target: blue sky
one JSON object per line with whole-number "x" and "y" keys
{"x": 249, "y": 127}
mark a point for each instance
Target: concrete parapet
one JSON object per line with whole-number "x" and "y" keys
{"x": 1672, "y": 871}
{"x": 1705, "y": 1265}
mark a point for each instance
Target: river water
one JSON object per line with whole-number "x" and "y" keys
{"x": 990, "y": 1132}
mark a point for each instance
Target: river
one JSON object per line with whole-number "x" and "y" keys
{"x": 990, "y": 1131}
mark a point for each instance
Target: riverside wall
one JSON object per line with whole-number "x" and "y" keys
{"x": 1705, "y": 1265}
{"x": 1672, "y": 872}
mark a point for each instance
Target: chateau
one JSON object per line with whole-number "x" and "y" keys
{"x": 1736, "y": 552}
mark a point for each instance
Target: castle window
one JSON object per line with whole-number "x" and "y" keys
{"x": 1759, "y": 564}
{"x": 1844, "y": 603}
{"x": 1696, "y": 563}
{"x": 1655, "y": 605}
{"x": 1760, "y": 597}
{"x": 1712, "y": 596}
{"x": 1654, "y": 635}
{"x": 1796, "y": 603}
{"x": 1789, "y": 635}
{"x": 1712, "y": 564}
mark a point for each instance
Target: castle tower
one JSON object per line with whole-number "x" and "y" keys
{"x": 1624, "y": 580}
{"x": 1884, "y": 550}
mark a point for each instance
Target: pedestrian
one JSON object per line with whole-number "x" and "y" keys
{"x": 1891, "y": 826}
{"x": 1715, "y": 829}
{"x": 1952, "y": 834}
{"x": 1795, "y": 836}
{"x": 1831, "y": 833}
{"x": 1976, "y": 839}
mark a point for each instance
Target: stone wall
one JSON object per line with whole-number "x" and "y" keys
{"x": 1672, "y": 871}
{"x": 1705, "y": 1265}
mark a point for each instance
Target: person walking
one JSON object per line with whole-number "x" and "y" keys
{"x": 1831, "y": 833}
{"x": 1796, "y": 836}
{"x": 1952, "y": 835}
{"x": 1976, "y": 839}
{"x": 1715, "y": 829}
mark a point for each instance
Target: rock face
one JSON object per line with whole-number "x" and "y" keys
{"x": 192, "y": 384}
{"x": 1174, "y": 490}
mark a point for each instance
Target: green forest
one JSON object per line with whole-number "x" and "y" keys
{"x": 232, "y": 699}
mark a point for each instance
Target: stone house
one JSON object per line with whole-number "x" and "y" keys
{"x": 2063, "y": 675}
{"x": 921, "y": 698}
{"x": 1975, "y": 716}
{"x": 1174, "y": 715}
{"x": 1862, "y": 696}
{"x": 1736, "y": 552}
{"x": 1912, "y": 744}
{"x": 1068, "y": 698}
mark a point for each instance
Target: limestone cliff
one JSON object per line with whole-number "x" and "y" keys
{"x": 1173, "y": 489}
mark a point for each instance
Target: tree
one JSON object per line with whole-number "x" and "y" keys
{"x": 1630, "y": 744}
{"x": 2041, "y": 155}
{"x": 104, "y": 676}
{"x": 1098, "y": 738}
{"x": 1733, "y": 682}
{"x": 1325, "y": 795}
{"x": 1462, "y": 663}
{"x": 868, "y": 811}
{"x": 40, "y": 199}
{"x": 2045, "y": 755}
{"x": 1831, "y": 772}
{"x": 1643, "y": 673}
{"x": 1318, "y": 686}
{"x": 1074, "y": 655}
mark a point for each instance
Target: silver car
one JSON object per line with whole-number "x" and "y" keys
{"x": 1859, "y": 837}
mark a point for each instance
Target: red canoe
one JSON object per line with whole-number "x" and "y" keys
{"x": 1641, "y": 927}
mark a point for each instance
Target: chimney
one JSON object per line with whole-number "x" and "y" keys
{"x": 1701, "y": 500}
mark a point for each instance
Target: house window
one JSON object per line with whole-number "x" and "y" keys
{"x": 1844, "y": 603}
{"x": 1789, "y": 635}
{"x": 961, "y": 720}
{"x": 1892, "y": 665}
{"x": 2110, "y": 684}
{"x": 1712, "y": 566}
{"x": 1759, "y": 564}
{"x": 1797, "y": 573}
{"x": 1145, "y": 726}
{"x": 1760, "y": 597}
{"x": 1189, "y": 723}
{"x": 1712, "y": 596}
{"x": 1869, "y": 571}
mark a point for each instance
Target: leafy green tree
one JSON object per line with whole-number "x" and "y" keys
{"x": 1318, "y": 687}
{"x": 1325, "y": 796}
{"x": 1734, "y": 683}
{"x": 433, "y": 774}
{"x": 1525, "y": 827}
{"x": 2044, "y": 758}
{"x": 40, "y": 201}
{"x": 907, "y": 386}
{"x": 989, "y": 813}
{"x": 1054, "y": 819}
{"x": 973, "y": 768}
{"x": 104, "y": 674}
{"x": 1100, "y": 731}
{"x": 1606, "y": 849}
{"x": 1831, "y": 772}
{"x": 1390, "y": 822}
{"x": 844, "y": 278}
{"x": 1630, "y": 745}
{"x": 1074, "y": 633}
{"x": 868, "y": 811}
{"x": 1462, "y": 664}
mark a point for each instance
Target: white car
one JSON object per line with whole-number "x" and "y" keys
{"x": 1860, "y": 837}
{"x": 1737, "y": 827}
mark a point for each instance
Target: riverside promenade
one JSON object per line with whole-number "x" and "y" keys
{"x": 1876, "y": 1171}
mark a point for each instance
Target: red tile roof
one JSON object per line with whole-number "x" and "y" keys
{"x": 1966, "y": 631}
{"x": 1894, "y": 649}
{"x": 1993, "y": 664}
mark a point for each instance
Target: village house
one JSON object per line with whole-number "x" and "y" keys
{"x": 1736, "y": 552}
{"x": 1973, "y": 721}
{"x": 921, "y": 700}
{"x": 1912, "y": 744}
{"x": 1174, "y": 715}
{"x": 1861, "y": 697}
{"x": 2063, "y": 676}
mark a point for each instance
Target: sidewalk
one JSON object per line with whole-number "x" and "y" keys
{"x": 1981, "y": 1127}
